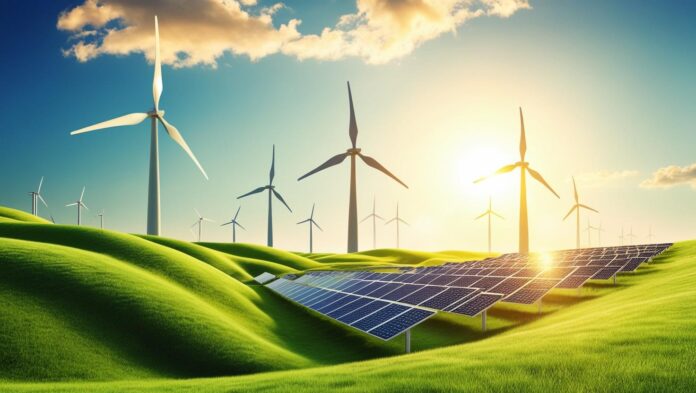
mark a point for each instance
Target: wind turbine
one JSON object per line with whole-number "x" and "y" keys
{"x": 153, "y": 199}
{"x": 101, "y": 219}
{"x": 79, "y": 205}
{"x": 622, "y": 235}
{"x": 339, "y": 158}
{"x": 234, "y": 224}
{"x": 311, "y": 223}
{"x": 650, "y": 234}
{"x": 271, "y": 191}
{"x": 374, "y": 217}
{"x": 589, "y": 230}
{"x": 398, "y": 220}
{"x": 35, "y": 197}
{"x": 489, "y": 213}
{"x": 576, "y": 208}
{"x": 630, "y": 235}
{"x": 599, "y": 234}
{"x": 199, "y": 222}
{"x": 524, "y": 168}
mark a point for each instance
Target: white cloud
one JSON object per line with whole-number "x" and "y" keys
{"x": 671, "y": 176}
{"x": 604, "y": 177}
{"x": 199, "y": 32}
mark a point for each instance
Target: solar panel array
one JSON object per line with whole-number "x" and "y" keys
{"x": 386, "y": 304}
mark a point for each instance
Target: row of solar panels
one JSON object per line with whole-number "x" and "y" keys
{"x": 380, "y": 318}
{"x": 453, "y": 287}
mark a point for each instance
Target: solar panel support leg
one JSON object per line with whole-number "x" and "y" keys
{"x": 614, "y": 278}
{"x": 407, "y": 339}
{"x": 483, "y": 320}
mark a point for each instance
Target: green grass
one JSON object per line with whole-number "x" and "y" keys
{"x": 90, "y": 310}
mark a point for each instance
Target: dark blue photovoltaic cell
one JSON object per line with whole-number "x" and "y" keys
{"x": 449, "y": 297}
{"x": 323, "y": 295}
{"x": 464, "y": 281}
{"x": 422, "y": 295}
{"x": 354, "y": 288}
{"x": 373, "y": 285}
{"x": 633, "y": 264}
{"x": 362, "y": 311}
{"x": 409, "y": 278}
{"x": 328, "y": 300}
{"x": 403, "y": 291}
{"x": 349, "y": 307}
{"x": 338, "y": 304}
{"x": 385, "y": 289}
{"x": 394, "y": 327}
{"x": 379, "y": 317}
{"x": 477, "y": 304}
{"x": 443, "y": 279}
{"x": 425, "y": 279}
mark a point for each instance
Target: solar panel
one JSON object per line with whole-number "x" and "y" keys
{"x": 363, "y": 311}
{"x": 573, "y": 282}
{"x": 422, "y": 294}
{"x": 447, "y": 298}
{"x": 403, "y": 291}
{"x": 379, "y": 317}
{"x": 405, "y": 321}
{"x": 477, "y": 304}
{"x": 606, "y": 273}
{"x": 510, "y": 285}
{"x": 526, "y": 296}
{"x": 264, "y": 277}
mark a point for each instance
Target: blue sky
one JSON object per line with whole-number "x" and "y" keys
{"x": 607, "y": 89}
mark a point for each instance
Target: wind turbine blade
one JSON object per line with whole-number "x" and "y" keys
{"x": 72, "y": 204}
{"x": 52, "y": 220}
{"x": 126, "y": 120}
{"x": 570, "y": 212}
{"x": 157, "y": 85}
{"x": 353, "y": 126}
{"x": 256, "y": 191}
{"x": 390, "y": 221}
{"x": 207, "y": 219}
{"x": 481, "y": 216}
{"x": 404, "y": 222}
{"x": 379, "y": 217}
{"x": 365, "y": 219}
{"x": 373, "y": 163}
{"x": 41, "y": 199}
{"x": 237, "y": 213}
{"x": 303, "y": 221}
{"x": 497, "y": 215}
{"x": 239, "y": 225}
{"x": 83, "y": 194}
{"x": 335, "y": 160}
{"x": 316, "y": 225}
{"x": 38, "y": 191}
{"x": 588, "y": 208}
{"x": 83, "y": 205}
{"x": 227, "y": 223}
{"x": 280, "y": 198}
{"x": 194, "y": 224}
{"x": 312, "y": 215}
{"x": 271, "y": 175}
{"x": 523, "y": 137}
{"x": 536, "y": 175}
{"x": 575, "y": 190}
{"x": 197, "y": 212}
{"x": 505, "y": 169}
{"x": 174, "y": 134}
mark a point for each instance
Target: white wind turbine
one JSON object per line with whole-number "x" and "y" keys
{"x": 79, "y": 205}
{"x": 374, "y": 216}
{"x": 490, "y": 212}
{"x": 576, "y": 208}
{"x": 234, "y": 224}
{"x": 630, "y": 235}
{"x": 101, "y": 219}
{"x": 398, "y": 221}
{"x": 153, "y": 205}
{"x": 199, "y": 222}
{"x": 35, "y": 198}
{"x": 312, "y": 224}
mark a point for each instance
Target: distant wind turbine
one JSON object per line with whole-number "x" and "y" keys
{"x": 352, "y": 153}
{"x": 234, "y": 224}
{"x": 524, "y": 168}
{"x": 153, "y": 199}
{"x": 271, "y": 192}
{"x": 397, "y": 220}
{"x": 622, "y": 237}
{"x": 101, "y": 219}
{"x": 599, "y": 234}
{"x": 489, "y": 213}
{"x": 79, "y": 205}
{"x": 374, "y": 217}
{"x": 199, "y": 222}
{"x": 630, "y": 235}
{"x": 576, "y": 208}
{"x": 650, "y": 234}
{"x": 312, "y": 224}
{"x": 589, "y": 230}
{"x": 35, "y": 197}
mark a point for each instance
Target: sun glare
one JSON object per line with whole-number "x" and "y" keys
{"x": 478, "y": 162}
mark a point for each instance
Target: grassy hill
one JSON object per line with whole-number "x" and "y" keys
{"x": 132, "y": 313}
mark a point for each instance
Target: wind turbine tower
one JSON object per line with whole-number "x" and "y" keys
{"x": 199, "y": 222}
{"x": 397, "y": 219}
{"x": 234, "y": 224}
{"x": 352, "y": 152}
{"x": 79, "y": 205}
{"x": 35, "y": 198}
{"x": 490, "y": 213}
{"x": 524, "y": 169}
{"x": 312, "y": 224}
{"x": 374, "y": 216}
{"x": 155, "y": 115}
{"x": 576, "y": 208}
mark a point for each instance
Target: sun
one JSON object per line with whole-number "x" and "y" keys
{"x": 477, "y": 162}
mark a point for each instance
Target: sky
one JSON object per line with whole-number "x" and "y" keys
{"x": 607, "y": 90}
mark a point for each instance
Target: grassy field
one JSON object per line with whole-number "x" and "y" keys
{"x": 91, "y": 310}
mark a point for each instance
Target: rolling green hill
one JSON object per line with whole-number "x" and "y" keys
{"x": 83, "y": 309}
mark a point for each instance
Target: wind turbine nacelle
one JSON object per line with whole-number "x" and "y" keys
{"x": 154, "y": 113}
{"x": 522, "y": 164}
{"x": 354, "y": 151}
